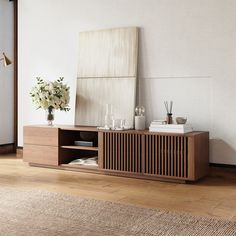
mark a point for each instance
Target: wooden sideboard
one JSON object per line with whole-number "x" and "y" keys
{"x": 138, "y": 154}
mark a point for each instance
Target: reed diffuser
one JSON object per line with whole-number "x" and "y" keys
{"x": 168, "y": 107}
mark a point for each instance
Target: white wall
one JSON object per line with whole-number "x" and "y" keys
{"x": 187, "y": 54}
{"x": 6, "y": 73}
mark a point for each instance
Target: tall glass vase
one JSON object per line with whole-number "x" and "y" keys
{"x": 108, "y": 116}
{"x": 50, "y": 115}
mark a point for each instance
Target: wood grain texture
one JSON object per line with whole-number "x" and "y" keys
{"x": 214, "y": 196}
{"x": 47, "y": 155}
{"x": 93, "y": 95}
{"x": 201, "y": 155}
{"x": 108, "y": 53}
{"x": 122, "y": 157}
{"x": 41, "y": 135}
{"x": 100, "y": 150}
{"x": 168, "y": 156}
{"x": 138, "y": 154}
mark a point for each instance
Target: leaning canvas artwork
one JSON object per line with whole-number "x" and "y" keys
{"x": 107, "y": 74}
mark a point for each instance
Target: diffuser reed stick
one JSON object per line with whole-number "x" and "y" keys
{"x": 169, "y": 111}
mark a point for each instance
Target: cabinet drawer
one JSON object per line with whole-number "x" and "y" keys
{"x": 41, "y": 136}
{"x": 37, "y": 154}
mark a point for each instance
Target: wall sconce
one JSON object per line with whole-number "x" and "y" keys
{"x": 6, "y": 60}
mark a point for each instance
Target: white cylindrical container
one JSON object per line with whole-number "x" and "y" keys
{"x": 139, "y": 122}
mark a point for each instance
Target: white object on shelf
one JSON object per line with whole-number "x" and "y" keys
{"x": 171, "y": 128}
{"x": 91, "y": 161}
{"x": 139, "y": 122}
{"x": 158, "y": 122}
{"x": 83, "y": 143}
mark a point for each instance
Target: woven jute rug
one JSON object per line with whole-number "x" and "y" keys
{"x": 45, "y": 213}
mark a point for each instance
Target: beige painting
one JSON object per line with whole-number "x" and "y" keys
{"x": 107, "y": 73}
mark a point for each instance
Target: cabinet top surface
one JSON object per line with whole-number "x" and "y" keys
{"x": 95, "y": 129}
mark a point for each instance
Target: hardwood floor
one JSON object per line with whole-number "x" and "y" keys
{"x": 214, "y": 196}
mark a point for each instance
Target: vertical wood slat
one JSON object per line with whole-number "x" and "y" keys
{"x": 186, "y": 147}
{"x": 108, "y": 141}
{"x": 177, "y": 156}
{"x": 143, "y": 153}
{"x": 133, "y": 154}
{"x": 168, "y": 151}
{"x": 105, "y": 153}
{"x": 186, "y": 156}
{"x": 149, "y": 153}
{"x": 146, "y": 156}
{"x": 156, "y": 154}
{"x": 130, "y": 152}
{"x": 159, "y": 155}
{"x": 167, "y": 155}
{"x": 113, "y": 151}
{"x": 174, "y": 155}
{"x": 136, "y": 152}
{"x": 165, "y": 151}
{"x": 110, "y": 153}
{"x": 116, "y": 147}
{"x": 126, "y": 148}
{"x": 127, "y": 152}
{"x": 183, "y": 163}
{"x": 122, "y": 152}
{"x": 162, "y": 156}
{"x": 153, "y": 155}
{"x": 181, "y": 158}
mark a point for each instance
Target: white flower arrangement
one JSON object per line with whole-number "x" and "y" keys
{"x": 51, "y": 95}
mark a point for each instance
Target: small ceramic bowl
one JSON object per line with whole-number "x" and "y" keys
{"x": 181, "y": 120}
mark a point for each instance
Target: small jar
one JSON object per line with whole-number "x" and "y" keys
{"x": 169, "y": 119}
{"x": 139, "y": 119}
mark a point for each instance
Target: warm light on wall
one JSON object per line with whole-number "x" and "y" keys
{"x": 6, "y": 60}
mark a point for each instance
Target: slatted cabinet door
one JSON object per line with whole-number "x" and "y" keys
{"x": 122, "y": 152}
{"x": 166, "y": 155}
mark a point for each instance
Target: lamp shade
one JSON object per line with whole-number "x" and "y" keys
{"x": 6, "y": 60}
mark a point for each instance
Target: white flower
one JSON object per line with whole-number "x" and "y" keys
{"x": 51, "y": 94}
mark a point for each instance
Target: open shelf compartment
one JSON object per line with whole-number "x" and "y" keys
{"x": 69, "y": 151}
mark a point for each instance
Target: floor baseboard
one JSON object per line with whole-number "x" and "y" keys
{"x": 223, "y": 165}
{"x": 7, "y": 148}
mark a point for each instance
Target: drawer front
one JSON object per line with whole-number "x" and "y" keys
{"x": 37, "y": 154}
{"x": 41, "y": 136}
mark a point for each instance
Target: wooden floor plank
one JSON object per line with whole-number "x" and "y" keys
{"x": 213, "y": 196}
